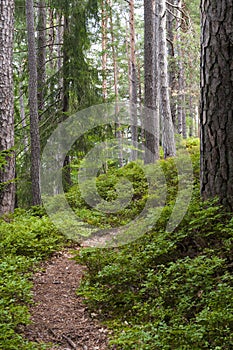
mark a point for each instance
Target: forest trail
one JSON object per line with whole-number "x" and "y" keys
{"x": 59, "y": 316}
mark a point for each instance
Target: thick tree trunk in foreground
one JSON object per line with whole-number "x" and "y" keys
{"x": 151, "y": 120}
{"x": 7, "y": 174}
{"x": 217, "y": 101}
{"x": 33, "y": 105}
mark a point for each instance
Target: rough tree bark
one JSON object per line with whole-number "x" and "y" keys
{"x": 181, "y": 115}
{"x": 7, "y": 174}
{"x": 171, "y": 23}
{"x": 67, "y": 181}
{"x": 41, "y": 58}
{"x": 22, "y": 111}
{"x": 217, "y": 100}
{"x": 168, "y": 139}
{"x": 33, "y": 105}
{"x": 133, "y": 80}
{"x": 116, "y": 90}
{"x": 151, "y": 120}
{"x": 104, "y": 48}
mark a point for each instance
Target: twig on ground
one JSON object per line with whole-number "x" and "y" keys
{"x": 70, "y": 342}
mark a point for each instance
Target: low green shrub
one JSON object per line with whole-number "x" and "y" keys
{"x": 167, "y": 290}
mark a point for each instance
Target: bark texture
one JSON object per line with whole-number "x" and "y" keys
{"x": 167, "y": 124}
{"x": 116, "y": 90}
{"x": 104, "y": 49}
{"x": 151, "y": 120}
{"x": 217, "y": 100}
{"x": 41, "y": 59}
{"x": 133, "y": 80}
{"x": 33, "y": 105}
{"x": 7, "y": 174}
{"x": 67, "y": 182}
{"x": 171, "y": 27}
{"x": 181, "y": 114}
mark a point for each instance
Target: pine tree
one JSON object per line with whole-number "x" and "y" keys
{"x": 7, "y": 173}
{"x": 217, "y": 101}
{"x": 151, "y": 119}
{"x": 33, "y": 105}
{"x": 168, "y": 139}
{"x": 133, "y": 80}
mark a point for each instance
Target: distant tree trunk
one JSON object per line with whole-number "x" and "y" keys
{"x": 168, "y": 139}
{"x": 66, "y": 100}
{"x": 41, "y": 58}
{"x": 33, "y": 105}
{"x": 217, "y": 101}
{"x": 51, "y": 37}
{"x": 140, "y": 97}
{"x": 181, "y": 78}
{"x": 7, "y": 174}
{"x": 171, "y": 20}
{"x": 191, "y": 115}
{"x": 59, "y": 41}
{"x": 133, "y": 81}
{"x": 184, "y": 119}
{"x": 151, "y": 120}
{"x": 22, "y": 112}
{"x": 104, "y": 49}
{"x": 116, "y": 90}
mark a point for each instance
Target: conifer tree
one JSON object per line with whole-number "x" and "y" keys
{"x": 217, "y": 101}
{"x": 7, "y": 171}
{"x": 33, "y": 105}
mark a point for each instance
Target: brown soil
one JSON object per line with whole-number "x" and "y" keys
{"x": 59, "y": 316}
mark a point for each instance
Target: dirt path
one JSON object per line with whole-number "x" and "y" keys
{"x": 59, "y": 315}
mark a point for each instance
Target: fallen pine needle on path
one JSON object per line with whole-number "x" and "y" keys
{"x": 59, "y": 315}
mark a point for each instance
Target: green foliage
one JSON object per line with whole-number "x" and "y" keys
{"x": 25, "y": 239}
{"x": 107, "y": 189}
{"x": 2, "y": 159}
{"x": 167, "y": 290}
{"x": 108, "y": 185}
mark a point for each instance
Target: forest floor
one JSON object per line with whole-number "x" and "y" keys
{"x": 58, "y": 314}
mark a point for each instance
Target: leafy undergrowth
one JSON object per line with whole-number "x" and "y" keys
{"x": 25, "y": 239}
{"x": 167, "y": 290}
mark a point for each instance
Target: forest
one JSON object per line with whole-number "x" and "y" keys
{"x": 116, "y": 174}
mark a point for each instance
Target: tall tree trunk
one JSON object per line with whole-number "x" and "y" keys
{"x": 133, "y": 81}
{"x": 66, "y": 100}
{"x": 51, "y": 37}
{"x": 168, "y": 139}
{"x": 104, "y": 48}
{"x": 7, "y": 174}
{"x": 41, "y": 58}
{"x": 151, "y": 120}
{"x": 191, "y": 115}
{"x": 59, "y": 42}
{"x": 116, "y": 90}
{"x": 217, "y": 101}
{"x": 33, "y": 105}
{"x": 22, "y": 111}
{"x": 171, "y": 20}
{"x": 181, "y": 78}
